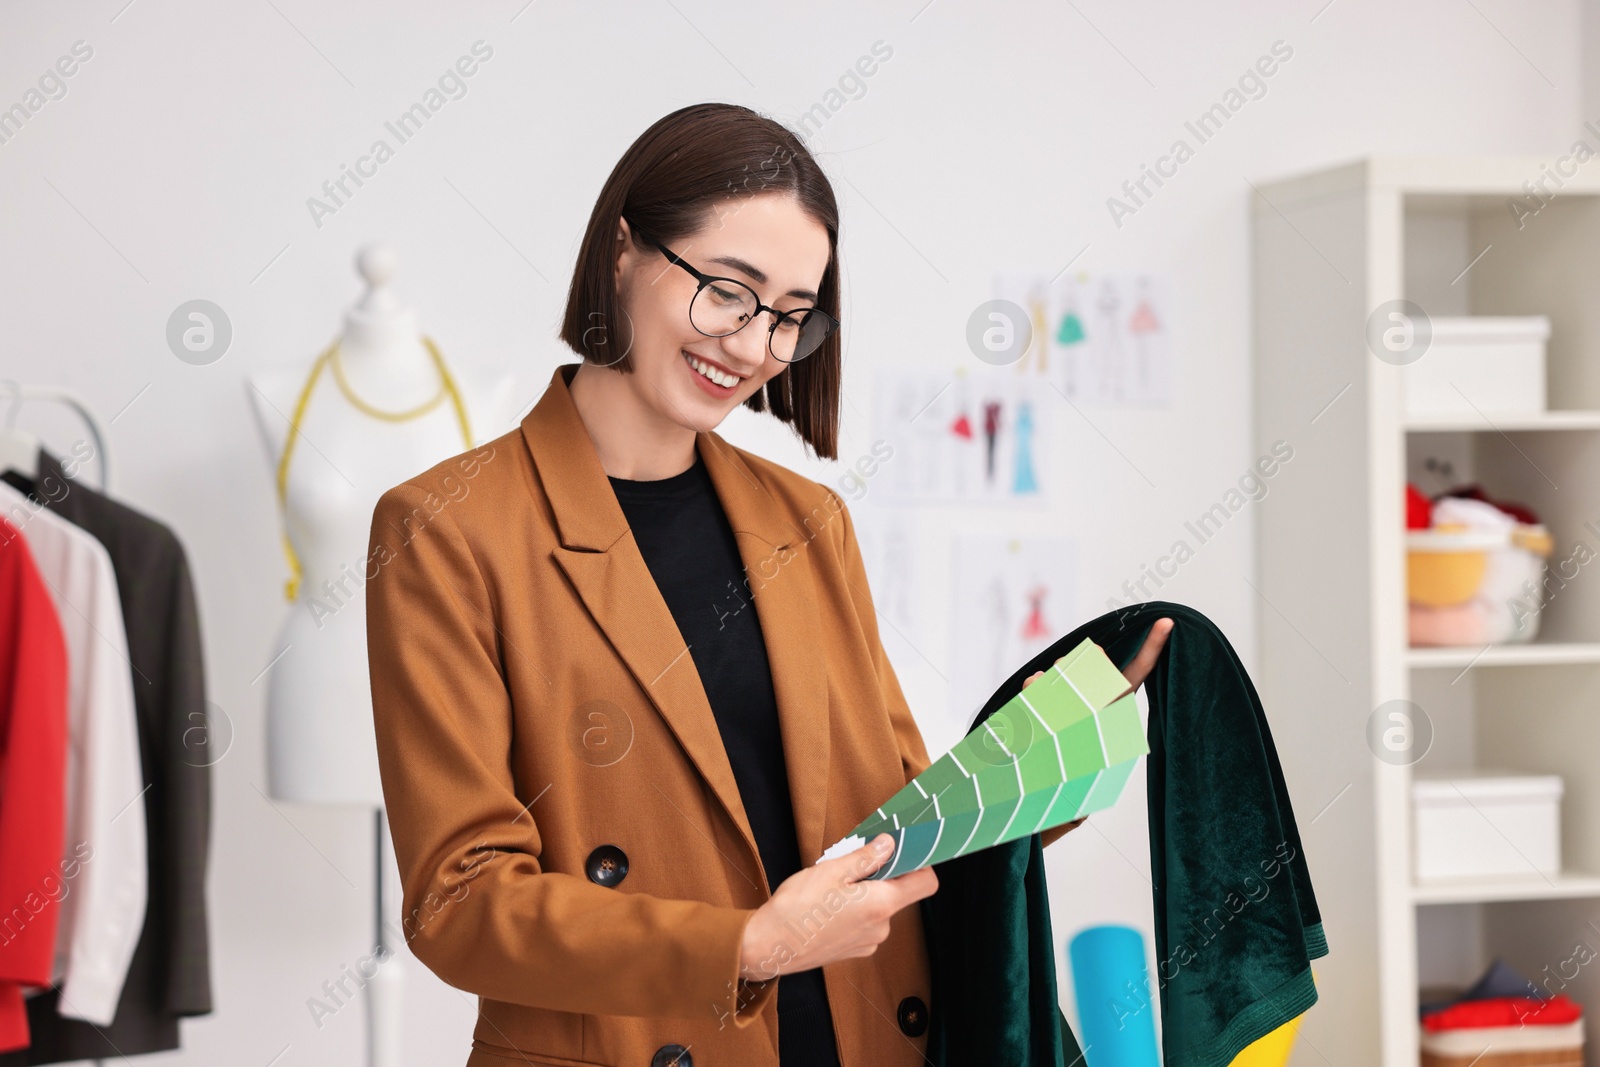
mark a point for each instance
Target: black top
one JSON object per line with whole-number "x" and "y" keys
{"x": 686, "y": 541}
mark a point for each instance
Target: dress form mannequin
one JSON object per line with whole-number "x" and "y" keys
{"x": 320, "y": 739}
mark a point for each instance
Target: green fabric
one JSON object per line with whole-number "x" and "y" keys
{"x": 1236, "y": 921}
{"x": 993, "y": 961}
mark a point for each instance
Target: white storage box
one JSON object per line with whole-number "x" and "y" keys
{"x": 1487, "y": 824}
{"x": 1488, "y": 363}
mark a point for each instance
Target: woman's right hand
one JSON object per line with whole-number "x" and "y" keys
{"x": 826, "y": 913}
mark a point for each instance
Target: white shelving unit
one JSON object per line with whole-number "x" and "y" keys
{"x": 1330, "y": 247}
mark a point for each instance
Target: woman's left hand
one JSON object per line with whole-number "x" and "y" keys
{"x": 1137, "y": 671}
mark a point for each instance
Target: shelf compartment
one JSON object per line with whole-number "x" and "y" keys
{"x": 1495, "y": 423}
{"x": 1533, "y": 653}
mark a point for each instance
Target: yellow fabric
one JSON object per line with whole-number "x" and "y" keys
{"x": 330, "y": 355}
{"x": 1271, "y": 1050}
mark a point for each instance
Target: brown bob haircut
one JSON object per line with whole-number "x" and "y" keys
{"x": 666, "y": 183}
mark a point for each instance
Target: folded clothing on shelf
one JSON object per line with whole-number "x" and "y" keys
{"x": 1498, "y": 981}
{"x": 1527, "y": 1012}
{"x": 1504, "y": 1020}
{"x": 1505, "y": 1031}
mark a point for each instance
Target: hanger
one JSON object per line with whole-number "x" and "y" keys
{"x": 19, "y": 449}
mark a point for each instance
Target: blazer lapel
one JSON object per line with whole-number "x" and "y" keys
{"x": 778, "y": 573}
{"x": 610, "y": 575}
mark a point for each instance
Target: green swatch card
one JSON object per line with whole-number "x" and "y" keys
{"x": 1061, "y": 748}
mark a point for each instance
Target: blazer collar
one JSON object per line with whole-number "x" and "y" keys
{"x": 610, "y": 575}
{"x": 587, "y": 513}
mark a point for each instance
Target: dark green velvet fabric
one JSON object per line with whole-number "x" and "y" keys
{"x": 1236, "y": 921}
{"x": 992, "y": 956}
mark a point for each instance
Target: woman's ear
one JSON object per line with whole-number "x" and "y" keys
{"x": 624, "y": 242}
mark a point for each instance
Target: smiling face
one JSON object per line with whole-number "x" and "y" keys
{"x": 766, "y": 241}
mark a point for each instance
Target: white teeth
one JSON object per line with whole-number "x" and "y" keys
{"x": 727, "y": 381}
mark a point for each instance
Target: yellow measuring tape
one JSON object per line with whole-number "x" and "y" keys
{"x": 447, "y": 386}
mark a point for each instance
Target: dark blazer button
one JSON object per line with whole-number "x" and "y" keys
{"x": 607, "y": 865}
{"x": 672, "y": 1056}
{"x": 913, "y": 1016}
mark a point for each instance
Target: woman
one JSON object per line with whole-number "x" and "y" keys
{"x": 627, "y": 678}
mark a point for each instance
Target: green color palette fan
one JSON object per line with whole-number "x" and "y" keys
{"x": 1061, "y": 748}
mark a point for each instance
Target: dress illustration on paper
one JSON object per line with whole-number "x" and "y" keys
{"x": 1022, "y": 432}
{"x": 1141, "y": 325}
{"x": 991, "y": 430}
{"x": 1035, "y": 627}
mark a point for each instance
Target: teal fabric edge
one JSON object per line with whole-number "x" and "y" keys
{"x": 1068, "y": 1038}
{"x": 1290, "y": 999}
{"x": 1316, "y": 942}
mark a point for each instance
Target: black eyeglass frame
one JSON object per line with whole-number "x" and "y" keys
{"x": 778, "y": 316}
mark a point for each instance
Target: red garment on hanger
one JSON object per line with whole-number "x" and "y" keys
{"x": 33, "y": 768}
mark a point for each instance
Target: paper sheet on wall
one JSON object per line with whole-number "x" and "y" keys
{"x": 1061, "y": 748}
{"x": 1103, "y": 338}
{"x": 888, "y": 539}
{"x": 1013, "y": 597}
{"x": 963, "y": 434}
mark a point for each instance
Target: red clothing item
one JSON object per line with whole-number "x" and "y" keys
{"x": 1504, "y": 1011}
{"x": 33, "y": 788}
{"x": 1419, "y": 509}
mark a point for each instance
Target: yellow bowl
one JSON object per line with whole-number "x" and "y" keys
{"x": 1445, "y": 565}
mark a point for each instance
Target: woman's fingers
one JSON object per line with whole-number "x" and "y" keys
{"x": 1149, "y": 652}
{"x": 911, "y": 886}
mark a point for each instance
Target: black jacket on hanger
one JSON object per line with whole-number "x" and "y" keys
{"x": 170, "y": 974}
{"x": 1236, "y": 921}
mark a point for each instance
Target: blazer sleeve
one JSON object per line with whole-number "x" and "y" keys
{"x": 187, "y": 755}
{"x": 480, "y": 910}
{"x": 913, "y": 752}
{"x": 908, "y": 737}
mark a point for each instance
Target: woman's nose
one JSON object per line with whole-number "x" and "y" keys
{"x": 747, "y": 349}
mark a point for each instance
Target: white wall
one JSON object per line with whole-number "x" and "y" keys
{"x": 178, "y": 165}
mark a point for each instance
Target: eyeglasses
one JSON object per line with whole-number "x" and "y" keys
{"x": 724, "y": 306}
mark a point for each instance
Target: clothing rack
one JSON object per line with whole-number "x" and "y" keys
{"x": 19, "y": 449}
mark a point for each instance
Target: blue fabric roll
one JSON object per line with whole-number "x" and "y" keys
{"x": 1112, "y": 983}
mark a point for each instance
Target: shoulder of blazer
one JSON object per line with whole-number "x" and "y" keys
{"x": 805, "y": 505}
{"x": 467, "y": 482}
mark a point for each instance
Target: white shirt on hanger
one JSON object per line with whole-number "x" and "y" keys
{"x": 102, "y": 913}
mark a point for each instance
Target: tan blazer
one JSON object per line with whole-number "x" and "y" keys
{"x": 568, "y": 828}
